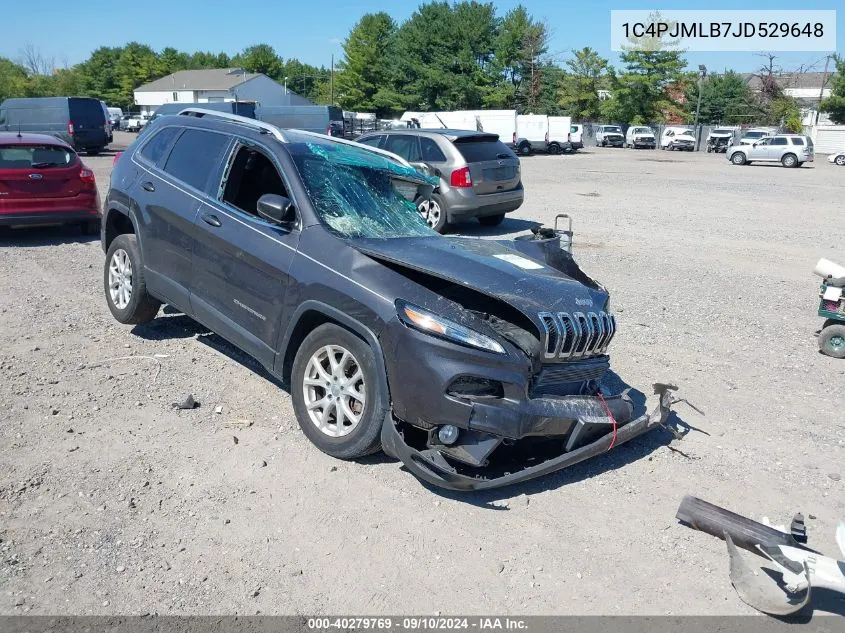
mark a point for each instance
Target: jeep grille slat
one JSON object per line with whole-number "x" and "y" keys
{"x": 576, "y": 335}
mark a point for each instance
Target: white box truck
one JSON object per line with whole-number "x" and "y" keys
{"x": 532, "y": 133}
{"x": 560, "y": 139}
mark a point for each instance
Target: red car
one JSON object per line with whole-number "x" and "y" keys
{"x": 43, "y": 181}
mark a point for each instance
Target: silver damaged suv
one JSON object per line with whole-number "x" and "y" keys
{"x": 479, "y": 175}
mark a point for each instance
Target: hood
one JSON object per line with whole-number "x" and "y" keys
{"x": 492, "y": 268}
{"x": 643, "y": 135}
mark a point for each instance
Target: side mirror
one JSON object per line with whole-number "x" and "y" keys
{"x": 426, "y": 169}
{"x": 276, "y": 209}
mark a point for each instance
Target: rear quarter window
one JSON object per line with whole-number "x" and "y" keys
{"x": 476, "y": 150}
{"x": 797, "y": 141}
{"x": 431, "y": 153}
{"x": 196, "y": 155}
{"x": 156, "y": 146}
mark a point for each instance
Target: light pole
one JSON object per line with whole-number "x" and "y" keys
{"x": 702, "y": 73}
{"x": 286, "y": 85}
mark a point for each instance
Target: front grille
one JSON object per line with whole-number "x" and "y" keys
{"x": 577, "y": 335}
{"x": 560, "y": 379}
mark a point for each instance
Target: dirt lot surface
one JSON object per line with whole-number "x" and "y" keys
{"x": 111, "y": 502}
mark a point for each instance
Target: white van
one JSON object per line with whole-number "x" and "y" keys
{"x": 532, "y": 133}
{"x": 576, "y": 136}
{"x": 678, "y": 138}
{"x": 560, "y": 134}
{"x": 640, "y": 136}
{"x": 501, "y": 122}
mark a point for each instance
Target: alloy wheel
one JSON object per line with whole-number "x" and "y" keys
{"x": 430, "y": 211}
{"x": 120, "y": 279}
{"x": 334, "y": 390}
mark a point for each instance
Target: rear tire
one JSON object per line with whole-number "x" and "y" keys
{"x": 832, "y": 340}
{"x": 525, "y": 149}
{"x": 492, "y": 220}
{"x": 789, "y": 160}
{"x": 554, "y": 149}
{"x": 124, "y": 284}
{"x": 326, "y": 346}
{"x": 840, "y": 160}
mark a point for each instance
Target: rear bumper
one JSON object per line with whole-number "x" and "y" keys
{"x": 431, "y": 466}
{"x": 468, "y": 204}
{"x": 49, "y": 211}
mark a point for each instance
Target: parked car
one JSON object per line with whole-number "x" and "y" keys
{"x": 532, "y": 134}
{"x": 79, "y": 121}
{"x": 134, "y": 122}
{"x": 322, "y": 119}
{"x": 115, "y": 116}
{"x": 639, "y": 136}
{"x": 755, "y": 134}
{"x": 790, "y": 150}
{"x": 478, "y": 175}
{"x": 44, "y": 182}
{"x": 678, "y": 138}
{"x": 609, "y": 135}
{"x": 455, "y": 355}
{"x": 576, "y": 136}
{"x": 719, "y": 139}
{"x": 838, "y": 158}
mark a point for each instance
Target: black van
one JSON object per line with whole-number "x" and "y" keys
{"x": 242, "y": 108}
{"x": 80, "y": 121}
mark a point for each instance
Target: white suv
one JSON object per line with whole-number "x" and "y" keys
{"x": 790, "y": 150}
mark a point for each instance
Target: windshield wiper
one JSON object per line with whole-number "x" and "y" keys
{"x": 45, "y": 164}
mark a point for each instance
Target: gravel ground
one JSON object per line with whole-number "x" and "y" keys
{"x": 113, "y": 503}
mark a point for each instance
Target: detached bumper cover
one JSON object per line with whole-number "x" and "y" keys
{"x": 430, "y": 465}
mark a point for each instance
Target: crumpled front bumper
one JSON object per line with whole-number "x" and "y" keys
{"x": 430, "y": 465}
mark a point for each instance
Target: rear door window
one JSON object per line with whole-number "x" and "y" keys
{"x": 780, "y": 140}
{"x": 155, "y": 148}
{"x": 405, "y": 146}
{"x": 431, "y": 153}
{"x": 476, "y": 149}
{"x": 86, "y": 111}
{"x": 196, "y": 156}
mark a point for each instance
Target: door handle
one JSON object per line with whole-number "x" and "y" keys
{"x": 148, "y": 186}
{"x": 208, "y": 218}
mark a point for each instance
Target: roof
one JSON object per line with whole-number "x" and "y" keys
{"x": 448, "y": 133}
{"x": 206, "y": 79}
{"x": 791, "y": 80}
{"x": 13, "y": 138}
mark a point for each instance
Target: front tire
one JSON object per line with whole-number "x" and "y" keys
{"x": 336, "y": 393}
{"x": 832, "y": 340}
{"x": 124, "y": 283}
{"x": 738, "y": 158}
{"x": 492, "y": 220}
{"x": 433, "y": 211}
{"x": 840, "y": 160}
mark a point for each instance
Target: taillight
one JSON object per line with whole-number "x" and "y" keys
{"x": 547, "y": 137}
{"x": 70, "y": 127}
{"x": 86, "y": 177}
{"x": 569, "y": 137}
{"x": 116, "y": 158}
{"x": 461, "y": 178}
{"x": 514, "y": 138}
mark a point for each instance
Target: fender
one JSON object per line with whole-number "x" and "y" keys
{"x": 342, "y": 318}
{"x": 117, "y": 206}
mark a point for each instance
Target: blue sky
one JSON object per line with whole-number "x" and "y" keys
{"x": 313, "y": 30}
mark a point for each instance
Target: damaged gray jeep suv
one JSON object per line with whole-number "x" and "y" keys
{"x": 475, "y": 362}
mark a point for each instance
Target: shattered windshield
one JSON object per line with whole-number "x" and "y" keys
{"x": 360, "y": 193}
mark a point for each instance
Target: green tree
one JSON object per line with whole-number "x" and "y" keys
{"x": 137, "y": 64}
{"x": 725, "y": 100}
{"x": 171, "y": 61}
{"x": 578, "y": 93}
{"x": 204, "y": 59}
{"x": 443, "y": 56}
{"x": 261, "y": 58}
{"x": 366, "y": 67}
{"x": 13, "y": 79}
{"x": 99, "y": 76}
{"x": 834, "y": 105}
{"x": 520, "y": 43}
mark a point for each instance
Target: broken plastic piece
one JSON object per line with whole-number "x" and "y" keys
{"x": 187, "y": 403}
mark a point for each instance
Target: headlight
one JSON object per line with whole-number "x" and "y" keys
{"x": 430, "y": 323}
